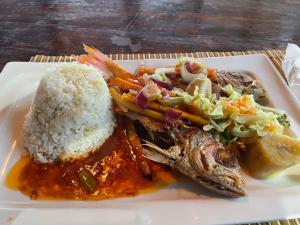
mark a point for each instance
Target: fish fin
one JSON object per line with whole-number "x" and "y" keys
{"x": 154, "y": 156}
{"x": 157, "y": 154}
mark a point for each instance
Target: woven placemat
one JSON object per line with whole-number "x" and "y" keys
{"x": 276, "y": 56}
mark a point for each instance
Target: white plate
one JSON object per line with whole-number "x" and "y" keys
{"x": 182, "y": 203}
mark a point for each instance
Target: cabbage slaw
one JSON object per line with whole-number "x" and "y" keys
{"x": 231, "y": 116}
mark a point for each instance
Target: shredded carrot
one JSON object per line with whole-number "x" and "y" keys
{"x": 142, "y": 70}
{"x": 250, "y": 111}
{"x": 156, "y": 106}
{"x": 124, "y": 84}
{"x": 242, "y": 102}
{"x": 212, "y": 74}
{"x": 271, "y": 128}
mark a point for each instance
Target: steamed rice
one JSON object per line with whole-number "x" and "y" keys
{"x": 71, "y": 114}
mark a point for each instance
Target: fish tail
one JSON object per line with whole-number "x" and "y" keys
{"x": 157, "y": 154}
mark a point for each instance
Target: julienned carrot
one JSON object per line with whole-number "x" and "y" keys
{"x": 124, "y": 84}
{"x": 142, "y": 70}
{"x": 141, "y": 80}
{"x": 117, "y": 97}
{"x": 153, "y": 105}
{"x": 104, "y": 60}
{"x": 212, "y": 74}
{"x": 82, "y": 59}
{"x": 194, "y": 118}
{"x": 137, "y": 148}
{"x": 119, "y": 71}
{"x": 178, "y": 70}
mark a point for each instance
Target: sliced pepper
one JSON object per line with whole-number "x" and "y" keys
{"x": 88, "y": 180}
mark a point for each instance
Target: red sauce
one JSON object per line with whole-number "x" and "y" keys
{"x": 115, "y": 167}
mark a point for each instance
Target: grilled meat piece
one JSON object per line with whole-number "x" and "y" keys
{"x": 244, "y": 83}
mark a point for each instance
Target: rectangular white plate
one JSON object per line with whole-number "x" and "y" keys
{"x": 182, "y": 203}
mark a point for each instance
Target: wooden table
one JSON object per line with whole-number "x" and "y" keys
{"x": 59, "y": 27}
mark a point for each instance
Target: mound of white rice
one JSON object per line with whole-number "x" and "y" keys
{"x": 71, "y": 114}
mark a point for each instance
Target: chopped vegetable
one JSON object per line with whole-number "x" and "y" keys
{"x": 230, "y": 116}
{"x": 178, "y": 84}
{"x": 88, "y": 180}
{"x": 171, "y": 101}
{"x": 166, "y": 70}
{"x": 283, "y": 120}
{"x": 177, "y": 70}
{"x": 172, "y": 116}
{"x": 159, "y": 76}
{"x": 165, "y": 94}
{"x": 203, "y": 87}
{"x": 192, "y": 69}
{"x": 242, "y": 131}
{"x": 216, "y": 89}
{"x": 153, "y": 105}
{"x": 148, "y": 93}
{"x": 137, "y": 148}
{"x": 118, "y": 71}
{"x": 124, "y": 84}
{"x": 143, "y": 69}
{"x": 162, "y": 84}
{"x": 91, "y": 60}
{"x": 141, "y": 80}
{"x": 282, "y": 117}
{"x": 141, "y": 100}
{"x": 247, "y": 118}
{"x": 117, "y": 97}
{"x": 212, "y": 74}
{"x": 152, "y": 92}
{"x": 105, "y": 64}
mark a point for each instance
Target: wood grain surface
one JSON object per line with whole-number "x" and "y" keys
{"x": 53, "y": 27}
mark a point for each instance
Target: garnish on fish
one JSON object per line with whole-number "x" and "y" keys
{"x": 189, "y": 111}
{"x": 199, "y": 156}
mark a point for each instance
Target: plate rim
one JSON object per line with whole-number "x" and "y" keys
{"x": 274, "y": 69}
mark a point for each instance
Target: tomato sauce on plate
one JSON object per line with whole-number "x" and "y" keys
{"x": 113, "y": 164}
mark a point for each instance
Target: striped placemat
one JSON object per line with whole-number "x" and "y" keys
{"x": 276, "y": 56}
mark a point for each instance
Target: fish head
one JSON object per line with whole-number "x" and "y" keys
{"x": 212, "y": 161}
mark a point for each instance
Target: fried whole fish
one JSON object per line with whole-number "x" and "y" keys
{"x": 193, "y": 151}
{"x": 199, "y": 156}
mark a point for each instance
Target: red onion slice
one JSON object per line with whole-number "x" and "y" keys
{"x": 192, "y": 67}
{"x": 172, "y": 116}
{"x": 217, "y": 89}
{"x": 165, "y": 94}
{"x": 141, "y": 100}
{"x": 162, "y": 84}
